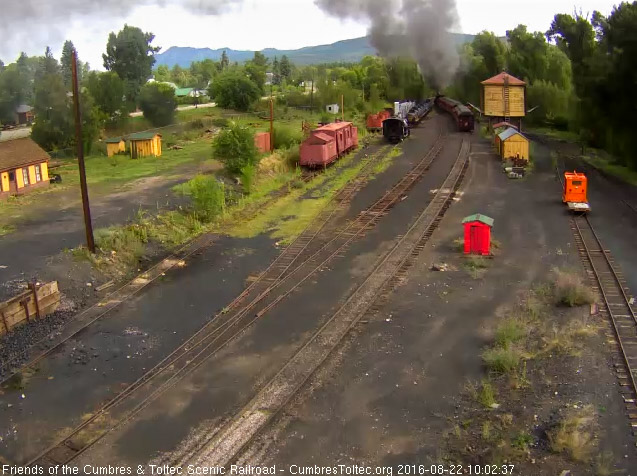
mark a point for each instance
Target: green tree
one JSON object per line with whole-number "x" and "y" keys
{"x": 107, "y": 90}
{"x": 225, "y": 62}
{"x": 13, "y": 92}
{"x": 527, "y": 54}
{"x": 234, "y": 90}
{"x": 256, "y": 70}
{"x": 131, "y": 56}
{"x": 276, "y": 71}
{"x": 158, "y": 103}
{"x": 235, "y": 147}
{"x": 66, "y": 61}
{"x": 492, "y": 50}
{"x": 55, "y": 127}
{"x": 47, "y": 65}
{"x": 162, "y": 73}
{"x": 285, "y": 69}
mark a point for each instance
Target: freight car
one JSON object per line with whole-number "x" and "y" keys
{"x": 461, "y": 114}
{"x": 421, "y": 110}
{"x": 328, "y": 143}
{"x": 375, "y": 121}
{"x": 395, "y": 129}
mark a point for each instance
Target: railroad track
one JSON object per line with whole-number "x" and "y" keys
{"x": 630, "y": 205}
{"x": 616, "y": 306}
{"x": 113, "y": 300}
{"x": 612, "y": 291}
{"x": 228, "y": 442}
{"x": 278, "y": 282}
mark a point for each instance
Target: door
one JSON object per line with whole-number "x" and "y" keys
{"x": 476, "y": 245}
{"x": 133, "y": 150}
{"x": 13, "y": 185}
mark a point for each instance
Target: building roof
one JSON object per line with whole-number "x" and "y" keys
{"x": 504, "y": 124}
{"x": 510, "y": 132}
{"x": 334, "y": 126}
{"x": 19, "y": 152}
{"x": 143, "y": 136}
{"x": 480, "y": 218}
{"x": 23, "y": 108}
{"x": 114, "y": 140}
{"x": 179, "y": 92}
{"x": 499, "y": 79}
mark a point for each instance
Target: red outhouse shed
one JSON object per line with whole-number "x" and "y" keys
{"x": 262, "y": 141}
{"x": 477, "y": 235}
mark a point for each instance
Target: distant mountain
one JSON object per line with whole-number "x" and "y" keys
{"x": 342, "y": 51}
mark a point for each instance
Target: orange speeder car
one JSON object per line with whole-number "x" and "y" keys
{"x": 575, "y": 191}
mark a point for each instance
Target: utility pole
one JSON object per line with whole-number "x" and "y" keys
{"x": 271, "y": 125}
{"x": 90, "y": 241}
{"x": 343, "y": 107}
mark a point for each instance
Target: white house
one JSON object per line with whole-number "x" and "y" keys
{"x": 333, "y": 108}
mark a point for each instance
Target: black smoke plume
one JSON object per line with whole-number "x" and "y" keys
{"x": 420, "y": 29}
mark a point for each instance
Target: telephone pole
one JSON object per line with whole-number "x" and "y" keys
{"x": 88, "y": 225}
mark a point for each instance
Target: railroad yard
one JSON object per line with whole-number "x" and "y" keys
{"x": 359, "y": 343}
{"x": 409, "y": 253}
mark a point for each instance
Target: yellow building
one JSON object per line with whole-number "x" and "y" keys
{"x": 115, "y": 146}
{"x": 24, "y": 166}
{"x": 513, "y": 145}
{"x": 504, "y": 99}
{"x": 144, "y": 144}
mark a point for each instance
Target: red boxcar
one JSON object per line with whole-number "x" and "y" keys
{"x": 461, "y": 114}
{"x": 328, "y": 143}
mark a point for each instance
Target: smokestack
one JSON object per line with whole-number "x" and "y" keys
{"x": 420, "y": 29}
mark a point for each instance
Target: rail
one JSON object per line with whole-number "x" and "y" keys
{"x": 227, "y": 443}
{"x": 214, "y": 335}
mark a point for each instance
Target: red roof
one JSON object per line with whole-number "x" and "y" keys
{"x": 323, "y": 137}
{"x": 504, "y": 124}
{"x": 498, "y": 80}
{"x": 335, "y": 126}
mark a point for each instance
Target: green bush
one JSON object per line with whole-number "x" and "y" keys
{"x": 502, "y": 360}
{"x": 509, "y": 332}
{"x": 208, "y": 197}
{"x": 286, "y": 137}
{"x": 232, "y": 89}
{"x": 235, "y": 147}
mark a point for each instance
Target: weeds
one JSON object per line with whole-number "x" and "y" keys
{"x": 208, "y": 197}
{"x": 573, "y": 435}
{"x": 604, "y": 464}
{"x": 502, "y": 360}
{"x": 510, "y": 331}
{"x": 569, "y": 290}
{"x": 522, "y": 441}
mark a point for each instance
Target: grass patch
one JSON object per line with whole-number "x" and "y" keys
{"x": 613, "y": 169}
{"x": 510, "y": 331}
{"x": 566, "y": 136}
{"x": 502, "y": 360}
{"x": 569, "y": 290}
{"x": 6, "y": 229}
{"x": 291, "y": 214}
{"x": 573, "y": 435}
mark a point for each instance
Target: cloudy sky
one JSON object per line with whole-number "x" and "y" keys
{"x": 31, "y": 25}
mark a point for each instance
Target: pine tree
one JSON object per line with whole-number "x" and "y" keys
{"x": 225, "y": 62}
{"x": 285, "y": 68}
{"x": 276, "y": 70}
{"x": 66, "y": 61}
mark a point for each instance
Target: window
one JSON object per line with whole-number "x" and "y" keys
{"x": 577, "y": 183}
{"x": 25, "y": 176}
{"x": 38, "y": 173}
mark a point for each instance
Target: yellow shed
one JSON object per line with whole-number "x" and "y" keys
{"x": 504, "y": 98}
{"x": 513, "y": 145}
{"x": 144, "y": 144}
{"x": 115, "y": 146}
{"x": 24, "y": 166}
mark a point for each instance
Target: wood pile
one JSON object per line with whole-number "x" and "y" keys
{"x": 25, "y": 307}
